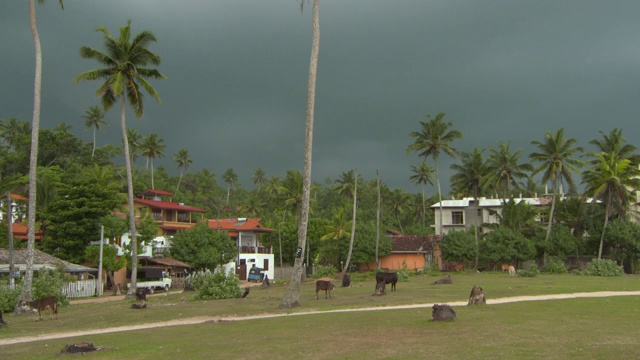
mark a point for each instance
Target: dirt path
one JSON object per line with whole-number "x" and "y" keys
{"x": 204, "y": 319}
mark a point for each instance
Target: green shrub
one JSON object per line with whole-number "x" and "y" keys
{"x": 49, "y": 283}
{"x": 9, "y": 297}
{"x": 324, "y": 271}
{"x": 403, "y": 275}
{"x": 556, "y": 267}
{"x": 532, "y": 271}
{"x": 602, "y": 267}
{"x": 216, "y": 286}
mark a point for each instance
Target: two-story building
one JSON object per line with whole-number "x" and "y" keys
{"x": 465, "y": 213}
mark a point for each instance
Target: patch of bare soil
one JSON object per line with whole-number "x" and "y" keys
{"x": 213, "y": 319}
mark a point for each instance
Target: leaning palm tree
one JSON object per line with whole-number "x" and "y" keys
{"x": 433, "y": 138}
{"x": 183, "y": 160}
{"x": 152, "y": 148}
{"x": 470, "y": 174}
{"x": 33, "y": 155}
{"x": 422, "y": 175}
{"x": 124, "y": 74}
{"x": 345, "y": 184}
{"x": 230, "y": 177}
{"x": 613, "y": 181}
{"x": 556, "y": 157}
{"x": 292, "y": 296}
{"x": 94, "y": 118}
{"x": 505, "y": 168}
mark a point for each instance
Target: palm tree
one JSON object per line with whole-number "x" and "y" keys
{"x": 14, "y": 131}
{"x": 422, "y": 175}
{"x": 33, "y": 155}
{"x": 152, "y": 148}
{"x": 183, "y": 161}
{"x": 614, "y": 181}
{"x": 259, "y": 178}
{"x": 135, "y": 141}
{"x": 345, "y": 184}
{"x": 230, "y": 178}
{"x": 616, "y": 144}
{"x": 434, "y": 137}
{"x": 94, "y": 118}
{"x": 505, "y": 169}
{"x": 292, "y": 296}
{"x": 399, "y": 201}
{"x": 290, "y": 191}
{"x": 556, "y": 158}
{"x": 124, "y": 74}
{"x": 470, "y": 174}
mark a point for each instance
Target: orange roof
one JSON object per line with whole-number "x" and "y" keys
{"x": 19, "y": 197}
{"x": 167, "y": 205}
{"x": 19, "y": 231}
{"x": 238, "y": 224}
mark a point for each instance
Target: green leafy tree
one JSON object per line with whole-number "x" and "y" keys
{"x": 458, "y": 246}
{"x": 73, "y": 218}
{"x": 203, "y": 247}
{"x": 435, "y": 136}
{"x": 124, "y": 73}
{"x": 623, "y": 237}
{"x": 505, "y": 245}
{"x": 111, "y": 262}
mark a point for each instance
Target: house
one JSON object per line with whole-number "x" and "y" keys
{"x": 251, "y": 253}
{"x": 414, "y": 251}
{"x": 462, "y": 214}
{"x": 18, "y": 210}
{"x": 170, "y": 217}
{"x": 43, "y": 261}
{"x": 176, "y": 269}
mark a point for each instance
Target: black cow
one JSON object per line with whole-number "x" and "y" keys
{"x": 388, "y": 278}
{"x": 325, "y": 285}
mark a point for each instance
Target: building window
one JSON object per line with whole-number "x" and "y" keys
{"x": 157, "y": 215}
{"x": 479, "y": 212}
{"x": 456, "y": 218}
{"x": 183, "y": 216}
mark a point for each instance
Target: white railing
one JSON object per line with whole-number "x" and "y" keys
{"x": 80, "y": 288}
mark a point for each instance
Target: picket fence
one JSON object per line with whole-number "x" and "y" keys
{"x": 80, "y": 288}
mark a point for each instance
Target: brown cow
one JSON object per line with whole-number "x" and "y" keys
{"x": 325, "y": 285}
{"x": 44, "y": 303}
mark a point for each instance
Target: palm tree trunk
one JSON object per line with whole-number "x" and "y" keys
{"x": 553, "y": 207}
{"x": 132, "y": 218}
{"x": 353, "y": 228}
{"x": 33, "y": 161}
{"x": 424, "y": 208}
{"x": 378, "y": 222}
{"x": 604, "y": 228}
{"x": 94, "y": 143}
{"x": 152, "y": 186}
{"x": 435, "y": 160}
{"x": 475, "y": 197}
{"x": 179, "y": 180}
{"x": 292, "y": 296}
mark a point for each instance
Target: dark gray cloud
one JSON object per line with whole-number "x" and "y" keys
{"x": 501, "y": 70}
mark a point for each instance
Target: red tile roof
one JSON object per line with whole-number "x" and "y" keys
{"x": 413, "y": 243}
{"x": 167, "y": 205}
{"x": 19, "y": 231}
{"x": 156, "y": 192}
{"x": 19, "y": 197}
{"x": 238, "y": 224}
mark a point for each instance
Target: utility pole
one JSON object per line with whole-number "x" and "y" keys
{"x": 99, "y": 286}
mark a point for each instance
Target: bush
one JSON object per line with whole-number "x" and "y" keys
{"x": 9, "y": 297}
{"x": 403, "y": 275}
{"x": 602, "y": 267}
{"x": 324, "y": 271}
{"x": 556, "y": 267}
{"x": 49, "y": 283}
{"x": 216, "y": 286}
{"x": 532, "y": 271}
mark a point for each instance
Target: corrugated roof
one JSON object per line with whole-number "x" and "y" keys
{"x": 40, "y": 260}
{"x": 413, "y": 243}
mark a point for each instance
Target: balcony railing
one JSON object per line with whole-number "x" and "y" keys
{"x": 252, "y": 250}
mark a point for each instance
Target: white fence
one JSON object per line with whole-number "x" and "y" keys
{"x": 81, "y": 288}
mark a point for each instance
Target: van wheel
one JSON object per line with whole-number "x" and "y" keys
{"x": 166, "y": 288}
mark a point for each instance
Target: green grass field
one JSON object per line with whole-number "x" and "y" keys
{"x": 599, "y": 328}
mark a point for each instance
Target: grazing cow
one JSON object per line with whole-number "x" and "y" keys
{"x": 325, "y": 285}
{"x": 388, "y": 278}
{"x": 505, "y": 267}
{"x": 512, "y": 271}
{"x": 44, "y": 303}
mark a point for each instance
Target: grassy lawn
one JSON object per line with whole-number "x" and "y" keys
{"x": 559, "y": 329}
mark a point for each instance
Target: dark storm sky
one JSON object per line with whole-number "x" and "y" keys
{"x": 501, "y": 70}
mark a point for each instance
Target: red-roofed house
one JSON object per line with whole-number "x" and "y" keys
{"x": 416, "y": 251}
{"x": 251, "y": 252}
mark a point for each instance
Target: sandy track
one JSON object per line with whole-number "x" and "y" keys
{"x": 204, "y": 319}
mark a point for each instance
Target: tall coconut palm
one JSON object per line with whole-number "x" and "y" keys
{"x": 399, "y": 202}
{"x": 505, "y": 168}
{"x": 435, "y": 136}
{"x": 135, "y": 141}
{"x": 292, "y": 296}
{"x": 470, "y": 174}
{"x": 183, "y": 161}
{"x": 290, "y": 191}
{"x": 124, "y": 74}
{"x": 152, "y": 147}
{"x": 230, "y": 177}
{"x": 33, "y": 155}
{"x": 616, "y": 144}
{"x": 94, "y": 118}
{"x": 14, "y": 131}
{"x": 259, "y": 178}
{"x": 345, "y": 184}
{"x": 613, "y": 181}
{"x": 422, "y": 175}
{"x": 556, "y": 158}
